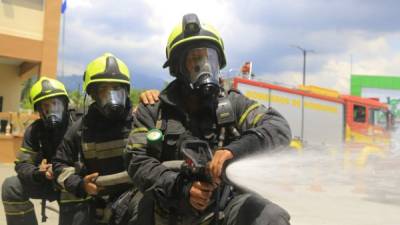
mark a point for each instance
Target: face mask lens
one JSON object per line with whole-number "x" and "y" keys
{"x": 51, "y": 106}
{"x": 114, "y": 94}
{"x": 201, "y": 63}
{"x": 111, "y": 99}
{"x": 52, "y": 111}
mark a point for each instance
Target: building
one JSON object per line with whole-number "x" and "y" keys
{"x": 29, "y": 35}
{"x": 385, "y": 88}
{"x": 29, "y": 32}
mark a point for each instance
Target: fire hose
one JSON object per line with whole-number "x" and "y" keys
{"x": 123, "y": 177}
{"x": 197, "y": 155}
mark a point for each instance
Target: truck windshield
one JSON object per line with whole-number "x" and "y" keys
{"x": 378, "y": 118}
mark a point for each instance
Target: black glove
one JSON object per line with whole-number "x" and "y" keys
{"x": 39, "y": 176}
{"x": 183, "y": 186}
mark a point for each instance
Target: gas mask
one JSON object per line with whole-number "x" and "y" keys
{"x": 111, "y": 100}
{"x": 200, "y": 69}
{"x": 53, "y": 112}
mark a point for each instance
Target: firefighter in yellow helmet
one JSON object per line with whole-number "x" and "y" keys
{"x": 107, "y": 81}
{"x": 195, "y": 55}
{"x": 197, "y": 121}
{"x": 33, "y": 164}
{"x": 49, "y": 97}
{"x": 93, "y": 146}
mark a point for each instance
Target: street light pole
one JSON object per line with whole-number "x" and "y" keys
{"x": 304, "y": 51}
{"x": 304, "y": 66}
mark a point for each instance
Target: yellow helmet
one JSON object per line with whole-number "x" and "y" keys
{"x": 188, "y": 33}
{"x": 106, "y": 68}
{"x": 46, "y": 88}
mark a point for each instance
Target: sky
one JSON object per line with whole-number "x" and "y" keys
{"x": 345, "y": 36}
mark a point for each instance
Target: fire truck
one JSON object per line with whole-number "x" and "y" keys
{"x": 322, "y": 116}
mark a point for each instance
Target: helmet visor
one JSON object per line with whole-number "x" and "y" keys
{"x": 52, "y": 108}
{"x": 110, "y": 93}
{"x": 200, "y": 64}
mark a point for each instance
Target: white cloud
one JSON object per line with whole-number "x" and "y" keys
{"x": 137, "y": 31}
{"x": 73, "y": 68}
{"x": 370, "y": 56}
{"x": 85, "y": 39}
{"x": 73, "y": 4}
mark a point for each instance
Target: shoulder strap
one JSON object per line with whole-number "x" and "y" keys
{"x": 74, "y": 115}
{"x": 159, "y": 121}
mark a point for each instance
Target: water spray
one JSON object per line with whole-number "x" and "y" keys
{"x": 325, "y": 185}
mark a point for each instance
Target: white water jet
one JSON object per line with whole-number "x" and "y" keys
{"x": 327, "y": 185}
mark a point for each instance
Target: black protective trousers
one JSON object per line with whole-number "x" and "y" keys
{"x": 98, "y": 210}
{"x": 253, "y": 209}
{"x": 243, "y": 209}
{"x": 19, "y": 209}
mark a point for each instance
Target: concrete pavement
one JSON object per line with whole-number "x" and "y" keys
{"x": 311, "y": 204}
{"x": 320, "y": 188}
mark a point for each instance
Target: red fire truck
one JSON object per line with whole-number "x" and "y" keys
{"x": 323, "y": 116}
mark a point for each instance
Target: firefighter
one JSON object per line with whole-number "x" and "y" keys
{"x": 93, "y": 146}
{"x": 33, "y": 165}
{"x": 194, "y": 107}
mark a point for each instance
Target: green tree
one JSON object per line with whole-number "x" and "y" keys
{"x": 134, "y": 95}
{"x": 25, "y": 103}
{"x": 76, "y": 99}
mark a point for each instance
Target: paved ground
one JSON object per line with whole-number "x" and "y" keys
{"x": 335, "y": 206}
{"x": 317, "y": 189}
{"x": 311, "y": 204}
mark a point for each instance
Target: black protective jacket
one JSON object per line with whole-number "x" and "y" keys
{"x": 39, "y": 143}
{"x": 93, "y": 144}
{"x": 260, "y": 129}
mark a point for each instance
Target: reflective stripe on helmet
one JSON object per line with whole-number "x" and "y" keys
{"x": 106, "y": 68}
{"x": 46, "y": 88}
{"x": 178, "y": 39}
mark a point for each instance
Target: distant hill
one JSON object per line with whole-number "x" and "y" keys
{"x": 74, "y": 82}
